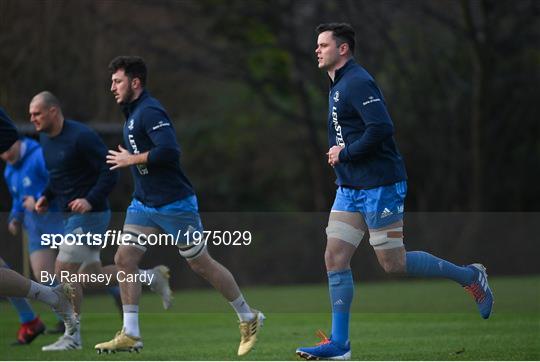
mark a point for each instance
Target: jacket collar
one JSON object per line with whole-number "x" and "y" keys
{"x": 341, "y": 71}
{"x": 127, "y": 109}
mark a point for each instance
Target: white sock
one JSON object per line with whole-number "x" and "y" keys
{"x": 77, "y": 335}
{"x": 131, "y": 320}
{"x": 242, "y": 309}
{"x": 42, "y": 293}
{"x": 147, "y": 273}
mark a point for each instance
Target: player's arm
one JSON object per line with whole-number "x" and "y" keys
{"x": 37, "y": 171}
{"x": 16, "y": 214}
{"x": 42, "y": 203}
{"x": 159, "y": 128}
{"x": 165, "y": 148}
{"x": 94, "y": 150}
{"x": 41, "y": 173}
{"x": 122, "y": 158}
{"x": 368, "y": 101}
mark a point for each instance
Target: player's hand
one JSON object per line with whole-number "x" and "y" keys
{"x": 42, "y": 205}
{"x": 120, "y": 158}
{"x": 29, "y": 203}
{"x": 13, "y": 227}
{"x": 80, "y": 206}
{"x": 333, "y": 155}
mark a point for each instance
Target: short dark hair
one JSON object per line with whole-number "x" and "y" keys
{"x": 48, "y": 99}
{"x": 342, "y": 32}
{"x": 134, "y": 67}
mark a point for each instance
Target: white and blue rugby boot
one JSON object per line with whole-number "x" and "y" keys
{"x": 480, "y": 290}
{"x": 326, "y": 349}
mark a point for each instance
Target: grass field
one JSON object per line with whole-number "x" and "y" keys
{"x": 401, "y": 320}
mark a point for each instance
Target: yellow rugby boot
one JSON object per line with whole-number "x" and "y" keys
{"x": 249, "y": 331}
{"x": 120, "y": 343}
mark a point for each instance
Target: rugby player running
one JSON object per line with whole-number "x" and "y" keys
{"x": 372, "y": 185}
{"x": 163, "y": 202}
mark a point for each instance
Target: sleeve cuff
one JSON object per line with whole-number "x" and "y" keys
{"x": 91, "y": 200}
{"x": 344, "y": 155}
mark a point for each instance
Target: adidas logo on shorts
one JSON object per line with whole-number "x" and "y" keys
{"x": 386, "y": 213}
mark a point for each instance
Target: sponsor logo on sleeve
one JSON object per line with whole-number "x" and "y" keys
{"x": 161, "y": 124}
{"x": 371, "y": 99}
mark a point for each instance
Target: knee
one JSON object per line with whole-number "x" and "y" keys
{"x": 123, "y": 260}
{"x": 393, "y": 266}
{"x": 335, "y": 259}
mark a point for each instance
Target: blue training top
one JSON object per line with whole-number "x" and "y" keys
{"x": 8, "y": 132}
{"x": 77, "y": 169}
{"x": 148, "y": 128}
{"x": 27, "y": 177}
{"x": 359, "y": 121}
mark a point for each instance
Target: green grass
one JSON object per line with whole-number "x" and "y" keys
{"x": 397, "y": 320}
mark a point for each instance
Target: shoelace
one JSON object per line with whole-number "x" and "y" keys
{"x": 324, "y": 339}
{"x": 476, "y": 291}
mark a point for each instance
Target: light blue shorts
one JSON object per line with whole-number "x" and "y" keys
{"x": 380, "y": 206}
{"x": 179, "y": 218}
{"x": 36, "y": 225}
{"x": 90, "y": 222}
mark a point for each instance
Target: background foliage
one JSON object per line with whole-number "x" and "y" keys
{"x": 240, "y": 81}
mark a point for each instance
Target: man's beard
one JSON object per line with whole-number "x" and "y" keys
{"x": 129, "y": 96}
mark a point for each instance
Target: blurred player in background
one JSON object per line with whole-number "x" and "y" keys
{"x": 16, "y": 287}
{"x": 26, "y": 177}
{"x": 79, "y": 183}
{"x": 372, "y": 185}
{"x": 163, "y": 202}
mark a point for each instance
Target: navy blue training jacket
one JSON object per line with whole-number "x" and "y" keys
{"x": 359, "y": 121}
{"x": 148, "y": 128}
{"x": 76, "y": 160}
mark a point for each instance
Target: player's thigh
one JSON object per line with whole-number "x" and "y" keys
{"x": 388, "y": 245}
{"x": 345, "y": 227}
{"x": 139, "y": 228}
{"x": 76, "y": 248}
{"x": 88, "y": 223}
{"x": 134, "y": 243}
{"x": 71, "y": 257}
{"x": 384, "y": 210}
{"x": 181, "y": 221}
{"x": 344, "y": 232}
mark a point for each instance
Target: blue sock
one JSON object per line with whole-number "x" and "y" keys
{"x": 26, "y": 314}
{"x": 422, "y": 264}
{"x": 340, "y": 284}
